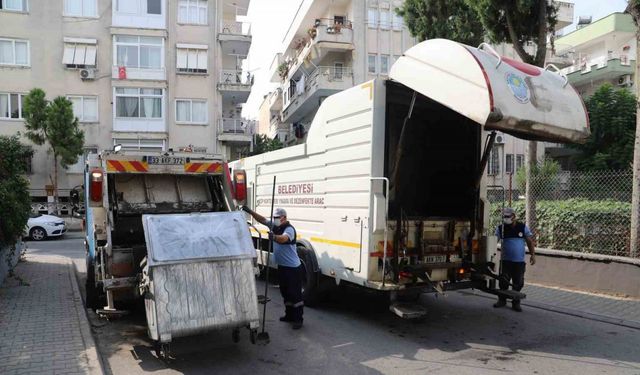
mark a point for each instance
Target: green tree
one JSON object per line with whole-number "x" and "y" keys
{"x": 53, "y": 123}
{"x": 265, "y": 144}
{"x": 543, "y": 177}
{"x": 451, "y": 19}
{"x": 612, "y": 119}
{"x": 15, "y": 202}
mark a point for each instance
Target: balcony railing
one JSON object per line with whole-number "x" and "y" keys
{"x": 323, "y": 77}
{"x": 585, "y": 64}
{"x": 235, "y": 77}
{"x": 239, "y": 126}
{"x": 235, "y": 28}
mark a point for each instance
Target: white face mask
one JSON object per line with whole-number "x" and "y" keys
{"x": 277, "y": 221}
{"x": 508, "y": 221}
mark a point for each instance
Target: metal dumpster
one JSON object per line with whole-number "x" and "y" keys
{"x": 199, "y": 275}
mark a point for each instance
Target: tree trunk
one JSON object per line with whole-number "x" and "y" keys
{"x": 635, "y": 196}
{"x": 530, "y": 205}
{"x": 55, "y": 183}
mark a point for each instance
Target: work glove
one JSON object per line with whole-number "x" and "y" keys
{"x": 245, "y": 209}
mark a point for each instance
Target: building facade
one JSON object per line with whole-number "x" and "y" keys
{"x": 154, "y": 75}
{"x": 329, "y": 47}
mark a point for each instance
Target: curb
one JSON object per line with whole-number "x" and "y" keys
{"x": 95, "y": 363}
{"x": 571, "y": 312}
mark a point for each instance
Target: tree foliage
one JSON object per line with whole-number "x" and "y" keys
{"x": 53, "y": 123}
{"x": 612, "y": 119}
{"x": 518, "y": 22}
{"x": 265, "y": 144}
{"x": 451, "y": 19}
{"x": 15, "y": 201}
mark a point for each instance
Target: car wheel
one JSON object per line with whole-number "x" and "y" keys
{"x": 38, "y": 234}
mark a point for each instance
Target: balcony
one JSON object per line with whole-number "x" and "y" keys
{"x": 303, "y": 99}
{"x": 139, "y": 125}
{"x": 235, "y": 37}
{"x": 235, "y": 84}
{"x": 147, "y": 74}
{"x": 608, "y": 67}
{"x": 235, "y": 130}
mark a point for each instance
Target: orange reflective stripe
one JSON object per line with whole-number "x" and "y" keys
{"x": 127, "y": 166}
{"x": 203, "y": 167}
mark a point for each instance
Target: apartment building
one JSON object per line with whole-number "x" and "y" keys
{"x": 329, "y": 46}
{"x": 508, "y": 154}
{"x": 150, "y": 75}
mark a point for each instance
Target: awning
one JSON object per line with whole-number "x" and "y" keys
{"x": 499, "y": 93}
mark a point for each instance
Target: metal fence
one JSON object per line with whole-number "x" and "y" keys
{"x": 588, "y": 212}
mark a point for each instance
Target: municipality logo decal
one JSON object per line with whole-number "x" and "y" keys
{"x": 518, "y": 87}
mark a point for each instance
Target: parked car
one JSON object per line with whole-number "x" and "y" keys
{"x": 40, "y": 227}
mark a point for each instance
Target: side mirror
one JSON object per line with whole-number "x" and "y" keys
{"x": 117, "y": 147}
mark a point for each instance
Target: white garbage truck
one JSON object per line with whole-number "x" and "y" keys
{"x": 388, "y": 190}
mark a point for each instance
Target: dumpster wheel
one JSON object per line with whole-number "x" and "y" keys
{"x": 163, "y": 350}
{"x": 252, "y": 335}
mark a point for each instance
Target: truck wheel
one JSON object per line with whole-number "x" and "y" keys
{"x": 92, "y": 297}
{"x": 310, "y": 292}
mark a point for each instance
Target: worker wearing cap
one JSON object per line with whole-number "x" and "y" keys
{"x": 514, "y": 235}
{"x": 283, "y": 235}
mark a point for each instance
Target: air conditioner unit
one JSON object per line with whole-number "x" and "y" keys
{"x": 625, "y": 80}
{"x": 499, "y": 139}
{"x": 87, "y": 74}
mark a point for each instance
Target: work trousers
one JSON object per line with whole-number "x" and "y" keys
{"x": 512, "y": 272}
{"x": 290, "y": 279}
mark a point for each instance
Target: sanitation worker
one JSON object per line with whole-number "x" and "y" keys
{"x": 516, "y": 235}
{"x": 283, "y": 235}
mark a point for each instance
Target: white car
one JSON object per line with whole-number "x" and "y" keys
{"x": 40, "y": 227}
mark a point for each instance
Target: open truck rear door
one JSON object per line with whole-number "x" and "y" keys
{"x": 499, "y": 93}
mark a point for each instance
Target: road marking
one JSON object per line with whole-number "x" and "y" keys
{"x": 341, "y": 345}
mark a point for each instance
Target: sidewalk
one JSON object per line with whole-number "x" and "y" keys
{"x": 607, "y": 309}
{"x": 43, "y": 326}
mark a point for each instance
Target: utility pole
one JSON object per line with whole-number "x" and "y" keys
{"x": 530, "y": 202}
{"x": 634, "y": 9}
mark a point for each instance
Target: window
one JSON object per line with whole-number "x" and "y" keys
{"x": 127, "y": 6}
{"x": 14, "y": 52}
{"x": 191, "y": 111}
{"x": 493, "y": 168}
{"x": 80, "y": 8}
{"x": 85, "y": 108}
{"x": 139, "y": 6}
{"x": 398, "y": 21}
{"x": 519, "y": 161}
{"x": 384, "y": 64}
{"x": 14, "y": 5}
{"x": 337, "y": 70}
{"x": 79, "y": 53}
{"x": 138, "y": 102}
{"x": 384, "y": 19}
{"x": 191, "y": 58}
{"x": 508, "y": 165}
{"x": 371, "y": 64}
{"x": 78, "y": 167}
{"x": 140, "y": 144}
{"x": 193, "y": 12}
{"x": 11, "y": 105}
{"x": 154, "y": 6}
{"x": 143, "y": 52}
{"x": 372, "y": 17}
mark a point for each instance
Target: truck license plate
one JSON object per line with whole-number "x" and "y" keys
{"x": 435, "y": 259}
{"x": 171, "y": 160}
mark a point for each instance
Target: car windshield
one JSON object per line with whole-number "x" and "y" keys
{"x": 33, "y": 215}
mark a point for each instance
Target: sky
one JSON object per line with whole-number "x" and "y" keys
{"x": 271, "y": 18}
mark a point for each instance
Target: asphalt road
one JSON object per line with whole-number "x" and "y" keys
{"x": 355, "y": 334}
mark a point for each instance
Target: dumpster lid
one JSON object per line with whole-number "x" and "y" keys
{"x": 499, "y": 93}
{"x": 177, "y": 238}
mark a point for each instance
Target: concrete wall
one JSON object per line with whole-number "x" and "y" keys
{"x": 586, "y": 272}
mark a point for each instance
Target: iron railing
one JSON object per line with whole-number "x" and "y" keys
{"x": 235, "y": 77}
{"x": 236, "y": 126}
{"x": 235, "y": 28}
